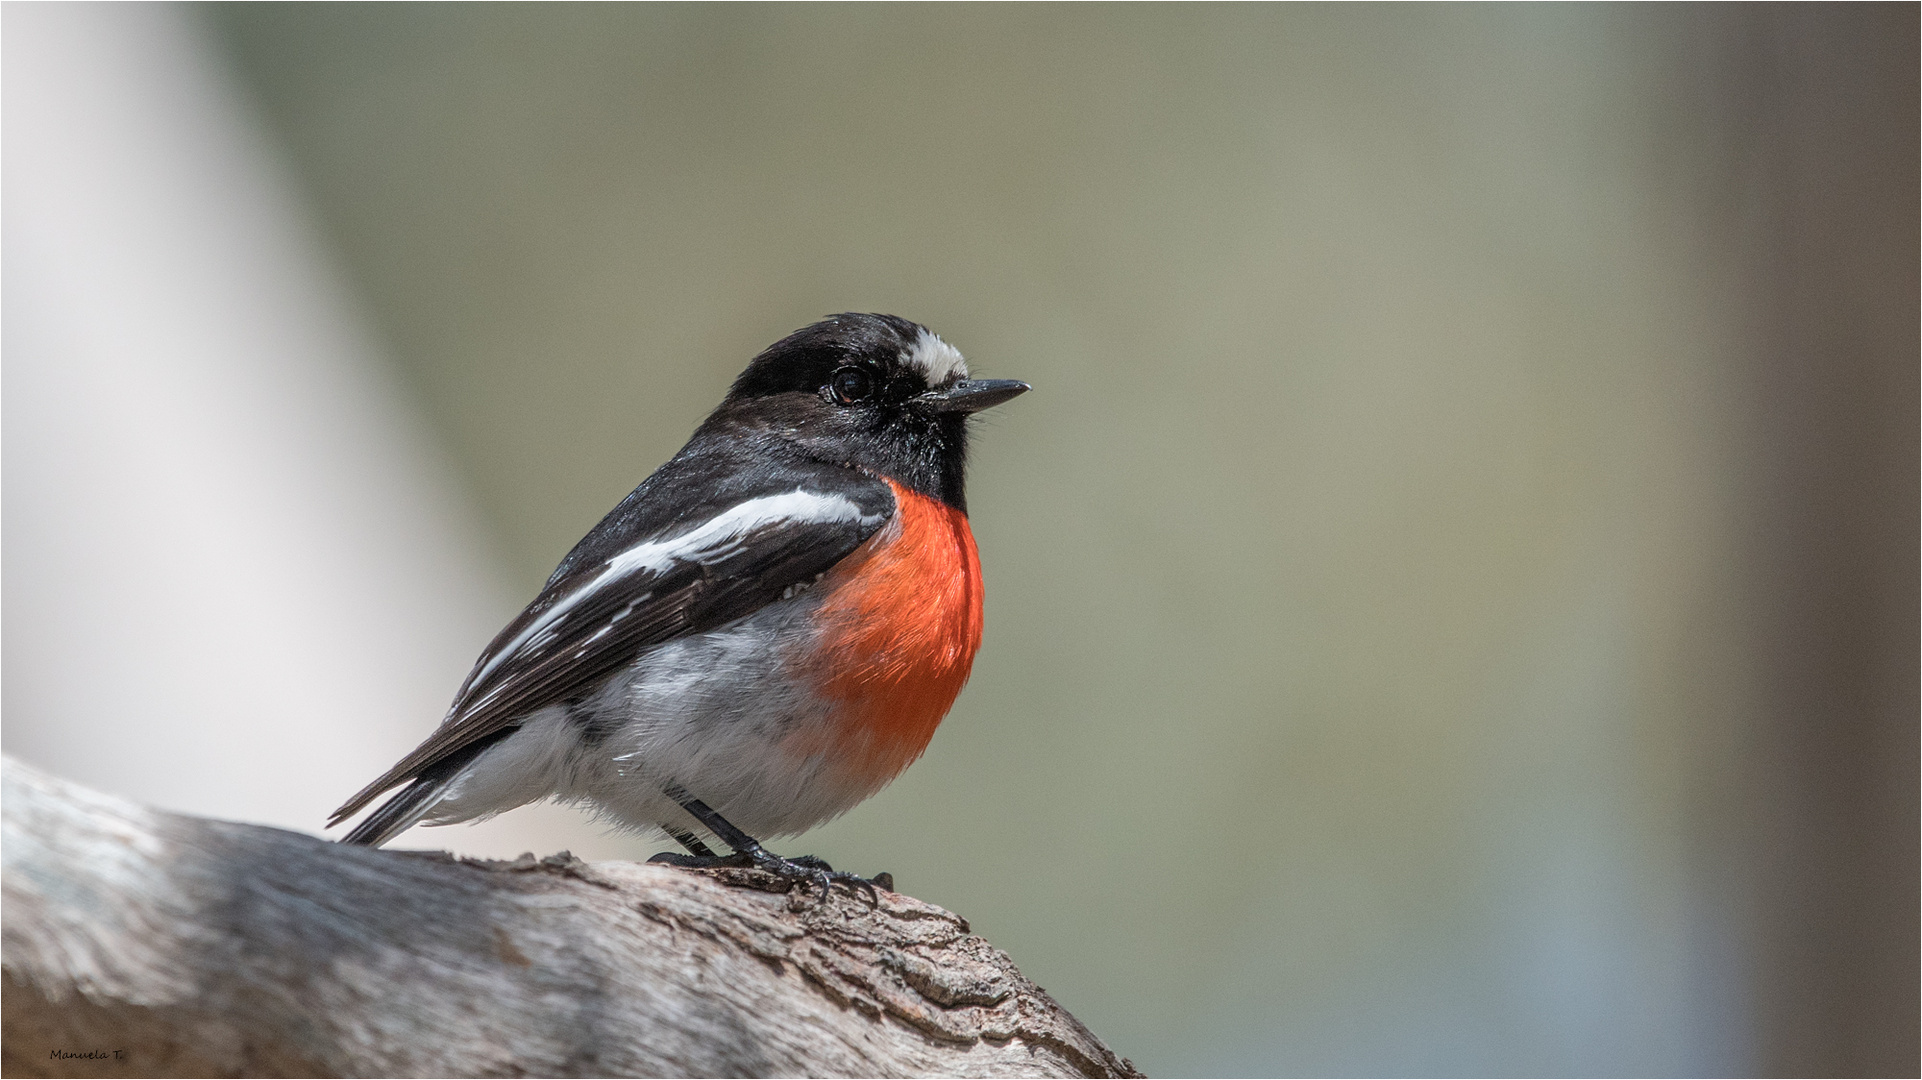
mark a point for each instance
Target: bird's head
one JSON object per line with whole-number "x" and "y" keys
{"x": 876, "y": 392}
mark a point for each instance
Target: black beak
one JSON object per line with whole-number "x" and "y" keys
{"x": 972, "y": 395}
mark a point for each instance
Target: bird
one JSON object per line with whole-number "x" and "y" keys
{"x": 760, "y": 636}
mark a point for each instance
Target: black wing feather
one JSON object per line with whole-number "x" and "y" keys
{"x": 607, "y": 625}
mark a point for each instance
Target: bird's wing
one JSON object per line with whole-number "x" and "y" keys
{"x": 596, "y": 617}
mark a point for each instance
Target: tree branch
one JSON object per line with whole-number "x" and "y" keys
{"x": 191, "y": 947}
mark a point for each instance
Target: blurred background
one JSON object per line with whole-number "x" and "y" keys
{"x": 1452, "y": 594}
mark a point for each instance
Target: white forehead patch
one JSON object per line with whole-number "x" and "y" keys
{"x": 937, "y": 360}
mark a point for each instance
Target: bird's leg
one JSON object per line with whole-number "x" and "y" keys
{"x": 689, "y": 841}
{"x": 749, "y": 852}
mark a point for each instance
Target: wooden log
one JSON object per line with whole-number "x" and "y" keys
{"x": 141, "y": 943}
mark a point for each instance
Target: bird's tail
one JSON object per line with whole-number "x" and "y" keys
{"x": 398, "y": 814}
{"x": 405, "y": 809}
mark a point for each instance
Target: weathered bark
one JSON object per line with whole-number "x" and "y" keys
{"x": 178, "y": 946}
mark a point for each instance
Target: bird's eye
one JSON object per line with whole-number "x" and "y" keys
{"x": 851, "y": 384}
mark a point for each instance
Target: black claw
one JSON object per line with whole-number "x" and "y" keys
{"x": 853, "y": 883}
{"x": 805, "y": 870}
{"x": 699, "y": 862}
{"x": 812, "y": 871}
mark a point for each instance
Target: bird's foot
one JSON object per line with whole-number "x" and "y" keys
{"x": 800, "y": 870}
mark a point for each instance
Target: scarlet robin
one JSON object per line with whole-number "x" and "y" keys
{"x": 763, "y": 634}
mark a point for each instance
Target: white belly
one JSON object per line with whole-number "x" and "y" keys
{"x": 722, "y": 714}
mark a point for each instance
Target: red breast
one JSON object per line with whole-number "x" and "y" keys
{"x": 901, "y": 621}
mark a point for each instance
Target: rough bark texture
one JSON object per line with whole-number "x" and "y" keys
{"x": 177, "y": 946}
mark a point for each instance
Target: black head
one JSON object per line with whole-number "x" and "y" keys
{"x": 871, "y": 391}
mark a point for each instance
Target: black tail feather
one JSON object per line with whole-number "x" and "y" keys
{"x": 401, "y": 811}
